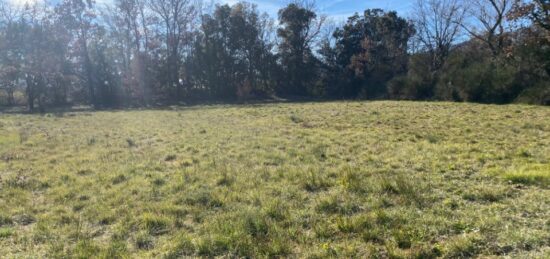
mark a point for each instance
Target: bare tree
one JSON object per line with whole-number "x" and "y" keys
{"x": 315, "y": 29}
{"x": 129, "y": 23}
{"x": 537, "y": 11}
{"x": 5, "y": 13}
{"x": 489, "y": 17}
{"x": 79, "y": 17}
{"x": 177, "y": 18}
{"x": 10, "y": 49}
{"x": 437, "y": 24}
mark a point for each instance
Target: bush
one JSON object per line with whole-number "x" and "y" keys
{"x": 409, "y": 87}
{"x": 538, "y": 94}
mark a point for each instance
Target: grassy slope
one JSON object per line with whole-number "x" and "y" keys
{"x": 310, "y": 180}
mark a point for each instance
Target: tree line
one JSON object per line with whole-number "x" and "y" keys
{"x": 149, "y": 52}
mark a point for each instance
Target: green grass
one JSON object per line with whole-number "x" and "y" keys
{"x": 536, "y": 174}
{"x": 312, "y": 180}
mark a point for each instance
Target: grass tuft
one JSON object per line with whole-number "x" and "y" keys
{"x": 5, "y": 232}
{"x": 487, "y": 193}
{"x": 315, "y": 181}
{"x": 334, "y": 205}
{"x": 183, "y": 247}
{"x": 144, "y": 241}
{"x": 530, "y": 175}
{"x": 5, "y": 220}
{"x": 462, "y": 246}
{"x": 212, "y": 246}
{"x": 155, "y": 224}
{"x": 119, "y": 179}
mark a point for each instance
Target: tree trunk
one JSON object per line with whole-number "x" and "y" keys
{"x": 88, "y": 70}
{"x": 30, "y": 92}
{"x": 11, "y": 98}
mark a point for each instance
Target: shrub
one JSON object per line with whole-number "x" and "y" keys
{"x": 538, "y": 94}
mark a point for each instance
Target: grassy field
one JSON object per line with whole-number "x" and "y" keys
{"x": 311, "y": 180}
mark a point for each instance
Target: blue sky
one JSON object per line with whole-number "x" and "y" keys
{"x": 339, "y": 10}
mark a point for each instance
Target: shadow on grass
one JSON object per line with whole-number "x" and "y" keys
{"x": 60, "y": 111}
